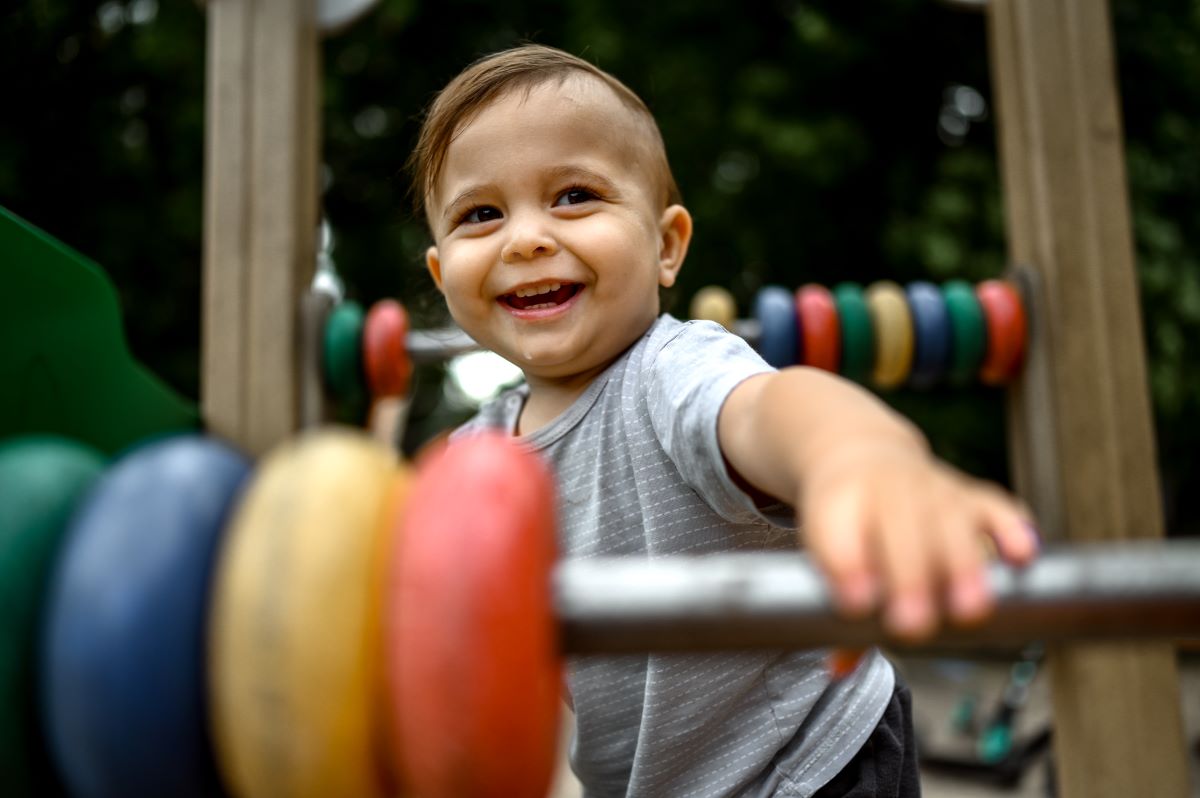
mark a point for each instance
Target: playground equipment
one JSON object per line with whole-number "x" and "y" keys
{"x": 316, "y": 613}
{"x": 922, "y": 336}
{"x": 890, "y": 336}
{"x": 149, "y": 635}
{"x": 65, "y": 365}
{"x": 1079, "y": 420}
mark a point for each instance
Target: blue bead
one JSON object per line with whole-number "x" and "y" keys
{"x": 779, "y": 342}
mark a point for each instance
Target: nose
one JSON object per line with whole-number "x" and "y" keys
{"x": 529, "y": 238}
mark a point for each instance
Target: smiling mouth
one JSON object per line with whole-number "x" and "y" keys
{"x": 548, "y": 298}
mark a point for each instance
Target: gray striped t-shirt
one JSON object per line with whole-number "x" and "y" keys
{"x": 640, "y": 473}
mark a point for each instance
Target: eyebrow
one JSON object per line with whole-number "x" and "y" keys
{"x": 462, "y": 198}
{"x": 574, "y": 172}
{"x": 554, "y": 174}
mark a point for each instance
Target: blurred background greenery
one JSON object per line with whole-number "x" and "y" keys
{"x": 814, "y": 140}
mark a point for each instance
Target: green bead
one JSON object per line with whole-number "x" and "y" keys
{"x": 42, "y": 479}
{"x": 858, "y": 337}
{"x": 342, "y": 353}
{"x": 969, "y": 331}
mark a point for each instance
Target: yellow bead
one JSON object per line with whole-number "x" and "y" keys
{"x": 714, "y": 303}
{"x": 892, "y": 321}
{"x": 295, "y": 650}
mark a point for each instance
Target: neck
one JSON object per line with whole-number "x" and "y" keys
{"x": 548, "y": 398}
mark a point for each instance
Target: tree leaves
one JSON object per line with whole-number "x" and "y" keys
{"x": 804, "y": 135}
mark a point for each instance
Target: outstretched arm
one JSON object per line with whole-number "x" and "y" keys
{"x": 889, "y": 523}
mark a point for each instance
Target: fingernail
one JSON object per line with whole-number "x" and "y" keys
{"x": 1032, "y": 547}
{"x": 909, "y": 615}
{"x": 858, "y": 593}
{"x": 1035, "y": 535}
{"x": 969, "y": 599}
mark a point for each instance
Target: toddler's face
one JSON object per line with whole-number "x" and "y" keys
{"x": 551, "y": 241}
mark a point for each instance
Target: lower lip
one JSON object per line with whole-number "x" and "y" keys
{"x": 541, "y": 314}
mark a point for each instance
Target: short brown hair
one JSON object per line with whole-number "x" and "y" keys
{"x": 525, "y": 67}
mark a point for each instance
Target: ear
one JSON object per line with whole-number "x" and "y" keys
{"x": 434, "y": 264}
{"x": 675, "y": 229}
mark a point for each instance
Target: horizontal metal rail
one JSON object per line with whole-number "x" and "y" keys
{"x": 438, "y": 344}
{"x": 443, "y": 343}
{"x": 769, "y": 600}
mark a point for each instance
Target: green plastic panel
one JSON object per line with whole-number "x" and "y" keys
{"x": 65, "y": 368}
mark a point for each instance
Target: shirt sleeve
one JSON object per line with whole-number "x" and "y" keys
{"x": 688, "y": 379}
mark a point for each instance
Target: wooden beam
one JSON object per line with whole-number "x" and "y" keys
{"x": 260, "y": 214}
{"x": 1080, "y": 426}
{"x": 225, "y": 213}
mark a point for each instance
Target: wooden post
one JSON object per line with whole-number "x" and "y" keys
{"x": 260, "y": 214}
{"x": 1080, "y": 425}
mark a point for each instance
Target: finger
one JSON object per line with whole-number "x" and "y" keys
{"x": 837, "y": 539}
{"x": 1010, "y": 526}
{"x": 904, "y": 541}
{"x": 961, "y": 564}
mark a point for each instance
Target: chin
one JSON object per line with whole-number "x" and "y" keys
{"x": 544, "y": 366}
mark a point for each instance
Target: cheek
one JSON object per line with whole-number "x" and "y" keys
{"x": 628, "y": 246}
{"x": 463, "y": 269}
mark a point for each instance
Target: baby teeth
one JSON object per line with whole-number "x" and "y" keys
{"x": 540, "y": 289}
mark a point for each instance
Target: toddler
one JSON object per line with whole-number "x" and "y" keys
{"x": 556, "y": 220}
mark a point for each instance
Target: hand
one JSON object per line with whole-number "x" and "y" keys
{"x": 892, "y": 527}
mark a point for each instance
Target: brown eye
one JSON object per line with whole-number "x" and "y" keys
{"x": 484, "y": 213}
{"x": 574, "y": 196}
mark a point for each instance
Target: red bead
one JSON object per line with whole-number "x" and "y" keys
{"x": 820, "y": 329}
{"x": 385, "y": 354}
{"x": 471, "y": 640}
{"x": 1007, "y": 331}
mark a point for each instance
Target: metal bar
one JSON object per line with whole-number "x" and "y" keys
{"x": 314, "y": 311}
{"x": 779, "y": 600}
{"x": 438, "y": 344}
{"x": 443, "y": 343}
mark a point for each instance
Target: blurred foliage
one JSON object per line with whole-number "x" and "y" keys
{"x": 813, "y": 140}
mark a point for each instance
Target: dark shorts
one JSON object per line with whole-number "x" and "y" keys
{"x": 886, "y": 766}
